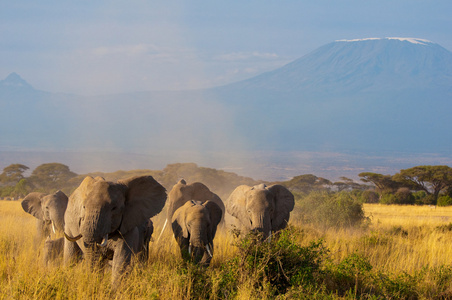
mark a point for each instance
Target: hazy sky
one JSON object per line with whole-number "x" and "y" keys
{"x": 97, "y": 47}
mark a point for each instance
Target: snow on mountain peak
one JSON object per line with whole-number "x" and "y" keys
{"x": 411, "y": 40}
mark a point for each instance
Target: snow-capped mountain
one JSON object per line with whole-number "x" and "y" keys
{"x": 368, "y": 95}
{"x": 388, "y": 94}
{"x": 359, "y": 65}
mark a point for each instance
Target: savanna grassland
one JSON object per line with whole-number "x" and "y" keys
{"x": 397, "y": 252}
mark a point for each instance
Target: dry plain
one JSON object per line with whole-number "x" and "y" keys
{"x": 399, "y": 240}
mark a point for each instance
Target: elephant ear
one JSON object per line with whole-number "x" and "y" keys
{"x": 32, "y": 205}
{"x": 62, "y": 198}
{"x": 145, "y": 198}
{"x": 284, "y": 204}
{"x": 178, "y": 222}
{"x": 177, "y": 197}
{"x": 215, "y": 215}
{"x": 236, "y": 203}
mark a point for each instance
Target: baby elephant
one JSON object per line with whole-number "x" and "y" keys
{"x": 194, "y": 227}
{"x": 53, "y": 249}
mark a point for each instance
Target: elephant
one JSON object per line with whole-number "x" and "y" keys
{"x": 107, "y": 220}
{"x": 49, "y": 211}
{"x": 53, "y": 249}
{"x": 182, "y": 193}
{"x": 194, "y": 226}
{"x": 260, "y": 208}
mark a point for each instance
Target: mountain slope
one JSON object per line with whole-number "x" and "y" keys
{"x": 364, "y": 95}
{"x": 371, "y": 95}
{"x": 389, "y": 64}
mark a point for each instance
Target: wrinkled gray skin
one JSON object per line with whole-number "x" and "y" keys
{"x": 49, "y": 211}
{"x": 145, "y": 232}
{"x": 53, "y": 249}
{"x": 106, "y": 220}
{"x": 182, "y": 193}
{"x": 194, "y": 226}
{"x": 260, "y": 208}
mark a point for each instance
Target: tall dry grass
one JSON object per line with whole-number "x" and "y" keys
{"x": 399, "y": 240}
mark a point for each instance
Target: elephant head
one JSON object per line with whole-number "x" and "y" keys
{"x": 49, "y": 209}
{"x": 182, "y": 193}
{"x": 98, "y": 210}
{"x": 261, "y": 208}
{"x": 194, "y": 226}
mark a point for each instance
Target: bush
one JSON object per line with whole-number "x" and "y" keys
{"x": 445, "y": 200}
{"x": 419, "y": 197}
{"x": 402, "y": 196}
{"x": 351, "y": 274}
{"x": 273, "y": 266}
{"x": 388, "y": 198}
{"x": 369, "y": 197}
{"x": 331, "y": 210}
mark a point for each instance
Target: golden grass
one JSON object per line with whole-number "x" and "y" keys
{"x": 399, "y": 239}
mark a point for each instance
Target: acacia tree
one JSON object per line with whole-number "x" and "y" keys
{"x": 22, "y": 188}
{"x": 383, "y": 183}
{"x": 51, "y": 176}
{"x": 347, "y": 183}
{"x": 307, "y": 183}
{"x": 13, "y": 173}
{"x": 431, "y": 179}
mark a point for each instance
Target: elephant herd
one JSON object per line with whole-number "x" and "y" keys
{"x": 104, "y": 220}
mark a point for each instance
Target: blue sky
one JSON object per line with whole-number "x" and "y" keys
{"x": 101, "y": 47}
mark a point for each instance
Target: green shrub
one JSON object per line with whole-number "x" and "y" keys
{"x": 387, "y": 198}
{"x": 419, "y": 197}
{"x": 404, "y": 196}
{"x": 350, "y": 275}
{"x": 275, "y": 265}
{"x": 331, "y": 209}
{"x": 369, "y": 197}
{"x": 445, "y": 200}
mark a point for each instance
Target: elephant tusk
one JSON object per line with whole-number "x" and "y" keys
{"x": 208, "y": 250}
{"x": 163, "y": 229}
{"x": 72, "y": 239}
{"x": 104, "y": 241}
{"x": 269, "y": 236}
{"x": 53, "y": 227}
{"x": 189, "y": 249}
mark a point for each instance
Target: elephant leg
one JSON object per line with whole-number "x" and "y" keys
{"x": 124, "y": 247}
{"x": 184, "y": 247}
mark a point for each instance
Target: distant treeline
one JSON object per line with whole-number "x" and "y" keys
{"x": 419, "y": 185}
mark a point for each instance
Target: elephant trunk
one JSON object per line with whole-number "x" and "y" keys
{"x": 199, "y": 247}
{"x": 261, "y": 223}
{"x": 95, "y": 229}
{"x": 92, "y": 256}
